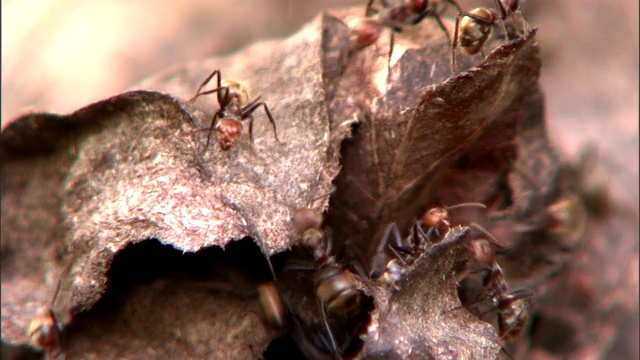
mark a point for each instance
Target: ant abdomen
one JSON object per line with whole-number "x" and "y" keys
{"x": 235, "y": 91}
{"x": 475, "y": 27}
{"x": 272, "y": 305}
{"x": 335, "y": 287}
{"x": 229, "y": 131}
{"x": 513, "y": 318}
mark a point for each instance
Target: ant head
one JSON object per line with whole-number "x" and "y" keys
{"x": 481, "y": 251}
{"x": 567, "y": 219}
{"x": 307, "y": 223}
{"x": 229, "y": 131}
{"x": 366, "y": 32}
{"x": 43, "y": 331}
{"x": 305, "y": 219}
{"x": 235, "y": 91}
{"x": 436, "y": 217}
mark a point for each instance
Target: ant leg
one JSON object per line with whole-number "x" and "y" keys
{"x": 204, "y": 83}
{"x": 518, "y": 294}
{"x": 391, "y": 45}
{"x": 211, "y": 128}
{"x": 454, "y": 44}
{"x": 444, "y": 28}
{"x": 423, "y": 236}
{"x": 334, "y": 347}
{"x": 397, "y": 255}
{"x": 503, "y": 16}
{"x": 329, "y": 241}
{"x": 392, "y": 231}
{"x": 250, "y": 108}
{"x": 370, "y": 10}
{"x": 251, "y": 129}
{"x": 378, "y": 264}
{"x": 492, "y": 238}
{"x": 520, "y": 6}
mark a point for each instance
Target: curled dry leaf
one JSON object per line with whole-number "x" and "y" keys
{"x": 80, "y": 188}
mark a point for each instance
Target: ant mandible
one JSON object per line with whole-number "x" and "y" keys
{"x": 233, "y": 99}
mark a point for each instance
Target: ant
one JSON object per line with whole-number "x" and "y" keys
{"x": 233, "y": 99}
{"x": 336, "y": 288}
{"x": 473, "y": 28}
{"x": 437, "y": 221}
{"x": 388, "y": 268}
{"x": 407, "y": 13}
{"x": 511, "y": 306}
{"x": 45, "y": 333}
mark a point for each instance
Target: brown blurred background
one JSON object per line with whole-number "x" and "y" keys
{"x": 59, "y": 55}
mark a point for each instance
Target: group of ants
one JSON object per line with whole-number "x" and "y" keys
{"x": 337, "y": 287}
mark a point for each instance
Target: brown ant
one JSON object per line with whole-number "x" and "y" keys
{"x": 335, "y": 286}
{"x": 437, "y": 221}
{"x": 408, "y": 13}
{"x": 473, "y": 28}
{"x": 511, "y": 306}
{"x": 233, "y": 99}
{"x": 388, "y": 267}
{"x": 45, "y": 333}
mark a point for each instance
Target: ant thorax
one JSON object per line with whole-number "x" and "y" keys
{"x": 235, "y": 92}
{"x": 335, "y": 287}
